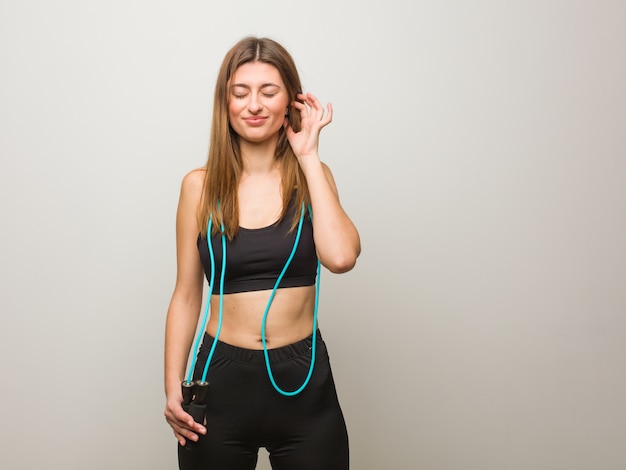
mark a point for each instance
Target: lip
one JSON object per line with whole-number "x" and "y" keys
{"x": 255, "y": 121}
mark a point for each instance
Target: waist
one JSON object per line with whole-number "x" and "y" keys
{"x": 240, "y": 354}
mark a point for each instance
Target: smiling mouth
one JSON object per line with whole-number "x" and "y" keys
{"x": 255, "y": 121}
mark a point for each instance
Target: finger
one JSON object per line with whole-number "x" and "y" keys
{"x": 313, "y": 101}
{"x": 181, "y": 416}
{"x": 181, "y": 440}
{"x": 301, "y": 107}
{"x": 300, "y": 98}
{"x": 319, "y": 110}
{"x": 316, "y": 111}
{"x": 182, "y": 432}
{"x": 199, "y": 428}
{"x": 192, "y": 426}
{"x": 186, "y": 433}
{"x": 183, "y": 422}
{"x": 329, "y": 116}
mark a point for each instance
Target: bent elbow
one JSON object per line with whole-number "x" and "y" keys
{"x": 341, "y": 264}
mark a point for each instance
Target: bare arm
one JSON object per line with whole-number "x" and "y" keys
{"x": 336, "y": 238}
{"x": 184, "y": 309}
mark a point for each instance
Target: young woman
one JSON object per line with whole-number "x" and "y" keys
{"x": 264, "y": 208}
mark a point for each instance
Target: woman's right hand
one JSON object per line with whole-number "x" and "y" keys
{"x": 182, "y": 423}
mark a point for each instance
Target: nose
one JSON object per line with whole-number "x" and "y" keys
{"x": 255, "y": 105}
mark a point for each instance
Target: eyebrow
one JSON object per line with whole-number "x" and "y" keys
{"x": 243, "y": 85}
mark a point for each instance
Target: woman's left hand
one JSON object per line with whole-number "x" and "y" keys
{"x": 305, "y": 142}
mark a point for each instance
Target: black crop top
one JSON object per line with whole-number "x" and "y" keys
{"x": 256, "y": 257}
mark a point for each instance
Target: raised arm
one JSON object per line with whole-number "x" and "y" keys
{"x": 336, "y": 237}
{"x": 184, "y": 309}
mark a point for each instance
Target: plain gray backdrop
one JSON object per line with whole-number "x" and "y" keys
{"x": 480, "y": 148}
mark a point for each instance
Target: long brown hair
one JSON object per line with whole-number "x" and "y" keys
{"x": 224, "y": 165}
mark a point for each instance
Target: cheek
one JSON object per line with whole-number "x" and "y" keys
{"x": 279, "y": 107}
{"x": 234, "y": 111}
{"x": 233, "y": 108}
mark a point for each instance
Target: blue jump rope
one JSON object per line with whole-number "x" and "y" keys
{"x": 194, "y": 393}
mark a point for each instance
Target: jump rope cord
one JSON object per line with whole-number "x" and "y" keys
{"x": 267, "y": 308}
{"x": 208, "y": 300}
{"x": 264, "y": 321}
{"x": 205, "y": 317}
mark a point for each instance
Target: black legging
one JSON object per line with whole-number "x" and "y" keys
{"x": 244, "y": 412}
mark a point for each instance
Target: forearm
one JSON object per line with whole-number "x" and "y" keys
{"x": 336, "y": 237}
{"x": 181, "y": 323}
{"x": 182, "y": 320}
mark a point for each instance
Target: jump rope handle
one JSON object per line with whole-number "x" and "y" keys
{"x": 194, "y": 402}
{"x": 187, "y": 388}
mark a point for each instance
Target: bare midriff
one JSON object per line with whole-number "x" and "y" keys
{"x": 290, "y": 317}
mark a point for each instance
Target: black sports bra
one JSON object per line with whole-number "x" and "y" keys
{"x": 256, "y": 257}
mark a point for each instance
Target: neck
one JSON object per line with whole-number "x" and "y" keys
{"x": 258, "y": 157}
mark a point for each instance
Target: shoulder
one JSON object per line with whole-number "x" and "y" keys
{"x": 194, "y": 180}
{"x": 191, "y": 188}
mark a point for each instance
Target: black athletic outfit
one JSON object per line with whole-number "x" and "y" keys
{"x": 256, "y": 257}
{"x": 244, "y": 412}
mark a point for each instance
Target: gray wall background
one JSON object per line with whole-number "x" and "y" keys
{"x": 478, "y": 145}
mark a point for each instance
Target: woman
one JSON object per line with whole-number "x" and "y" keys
{"x": 263, "y": 194}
